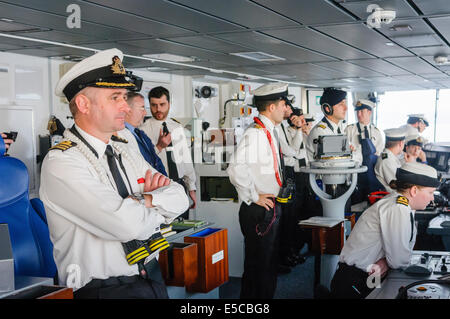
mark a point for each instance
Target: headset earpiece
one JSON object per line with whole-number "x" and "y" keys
{"x": 327, "y": 109}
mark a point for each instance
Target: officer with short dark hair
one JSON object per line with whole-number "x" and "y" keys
{"x": 256, "y": 172}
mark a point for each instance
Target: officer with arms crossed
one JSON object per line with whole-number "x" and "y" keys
{"x": 171, "y": 145}
{"x": 385, "y": 234}
{"x": 101, "y": 200}
{"x": 334, "y": 108}
{"x": 255, "y": 170}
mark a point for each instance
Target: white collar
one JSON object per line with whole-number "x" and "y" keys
{"x": 98, "y": 145}
{"x": 267, "y": 122}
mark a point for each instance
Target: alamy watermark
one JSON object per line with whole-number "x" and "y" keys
{"x": 73, "y": 21}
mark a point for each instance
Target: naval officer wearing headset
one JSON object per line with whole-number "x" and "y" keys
{"x": 256, "y": 171}
{"x": 334, "y": 108}
{"x": 101, "y": 198}
{"x": 385, "y": 234}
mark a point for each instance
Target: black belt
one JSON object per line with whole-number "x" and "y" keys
{"x": 112, "y": 281}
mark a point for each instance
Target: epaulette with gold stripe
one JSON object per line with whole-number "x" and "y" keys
{"x": 175, "y": 120}
{"x": 402, "y": 200}
{"x": 64, "y": 146}
{"x": 323, "y": 126}
{"x": 118, "y": 139}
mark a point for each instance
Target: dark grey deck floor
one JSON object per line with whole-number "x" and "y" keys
{"x": 298, "y": 284}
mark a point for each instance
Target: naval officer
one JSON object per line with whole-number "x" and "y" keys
{"x": 334, "y": 107}
{"x": 389, "y": 160}
{"x": 171, "y": 144}
{"x": 385, "y": 234}
{"x": 102, "y": 199}
{"x": 367, "y": 143}
{"x": 256, "y": 171}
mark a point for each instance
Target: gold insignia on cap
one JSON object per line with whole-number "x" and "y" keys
{"x": 64, "y": 146}
{"x": 358, "y": 103}
{"x": 419, "y": 140}
{"x": 402, "y": 200}
{"x": 117, "y": 66}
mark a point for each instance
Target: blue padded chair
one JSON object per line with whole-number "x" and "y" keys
{"x": 30, "y": 239}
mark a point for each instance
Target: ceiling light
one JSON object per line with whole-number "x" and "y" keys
{"x": 441, "y": 59}
{"x": 169, "y": 57}
{"x": 156, "y": 69}
{"x": 403, "y": 27}
{"x": 283, "y": 76}
{"x": 258, "y": 56}
{"x": 390, "y": 44}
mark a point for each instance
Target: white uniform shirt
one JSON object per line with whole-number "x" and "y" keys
{"x": 88, "y": 219}
{"x": 180, "y": 149}
{"x": 385, "y": 229}
{"x": 353, "y": 138}
{"x": 321, "y": 129}
{"x": 386, "y": 167}
{"x": 251, "y": 168}
{"x": 292, "y": 146}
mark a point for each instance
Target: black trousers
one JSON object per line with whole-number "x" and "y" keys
{"x": 306, "y": 205}
{"x": 126, "y": 287}
{"x": 349, "y": 282}
{"x": 259, "y": 279}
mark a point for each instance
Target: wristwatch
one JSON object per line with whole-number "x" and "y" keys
{"x": 139, "y": 197}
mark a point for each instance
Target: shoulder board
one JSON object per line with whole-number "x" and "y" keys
{"x": 64, "y": 146}
{"x": 323, "y": 126}
{"x": 175, "y": 120}
{"x": 402, "y": 200}
{"x": 384, "y": 155}
{"x": 257, "y": 125}
{"x": 118, "y": 139}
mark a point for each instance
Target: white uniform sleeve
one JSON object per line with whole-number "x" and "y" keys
{"x": 388, "y": 170}
{"x": 97, "y": 207}
{"x": 291, "y": 149}
{"x": 379, "y": 141}
{"x": 183, "y": 157}
{"x": 239, "y": 170}
{"x": 397, "y": 234}
{"x": 310, "y": 145}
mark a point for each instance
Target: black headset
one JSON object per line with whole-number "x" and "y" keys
{"x": 327, "y": 109}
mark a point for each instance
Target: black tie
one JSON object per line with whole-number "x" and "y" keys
{"x": 366, "y": 132}
{"x": 280, "y": 157}
{"x": 121, "y": 188}
{"x": 172, "y": 166}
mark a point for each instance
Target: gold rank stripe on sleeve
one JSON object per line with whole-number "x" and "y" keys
{"x": 145, "y": 250}
{"x": 64, "y": 146}
{"x": 137, "y": 255}
{"x": 402, "y": 200}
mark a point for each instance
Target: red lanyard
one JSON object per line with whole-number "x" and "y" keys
{"x": 274, "y": 152}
